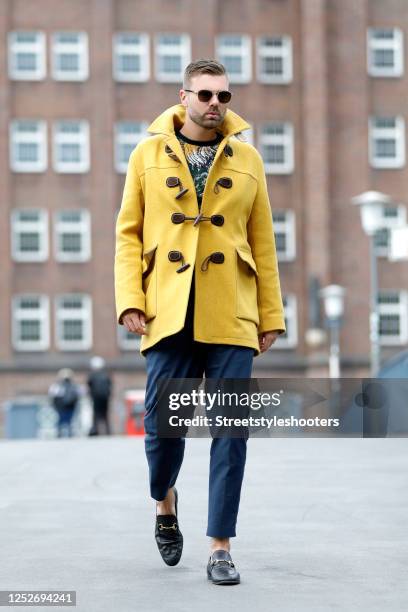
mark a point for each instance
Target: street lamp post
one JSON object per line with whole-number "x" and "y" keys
{"x": 333, "y": 299}
{"x": 371, "y": 205}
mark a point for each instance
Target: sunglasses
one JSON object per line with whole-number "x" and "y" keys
{"x": 205, "y": 95}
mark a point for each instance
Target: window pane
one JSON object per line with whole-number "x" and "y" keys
{"x": 72, "y": 330}
{"x": 29, "y": 242}
{"x": 30, "y": 331}
{"x": 26, "y": 61}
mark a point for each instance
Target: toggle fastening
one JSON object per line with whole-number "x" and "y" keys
{"x": 178, "y": 217}
{"x": 225, "y": 182}
{"x": 174, "y": 181}
{"x": 228, "y": 152}
{"x": 217, "y": 257}
{"x": 170, "y": 153}
{"x": 177, "y": 256}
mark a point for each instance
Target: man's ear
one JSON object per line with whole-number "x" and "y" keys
{"x": 183, "y": 97}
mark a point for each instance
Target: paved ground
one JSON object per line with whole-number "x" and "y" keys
{"x": 322, "y": 526}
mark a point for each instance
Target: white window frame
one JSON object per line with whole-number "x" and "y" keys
{"x": 62, "y": 314}
{"x": 79, "y": 48}
{"x": 397, "y": 133}
{"x": 284, "y": 52}
{"x": 396, "y": 45}
{"x": 287, "y": 227}
{"x": 36, "y": 48}
{"x": 81, "y": 138}
{"x": 16, "y": 136}
{"x": 82, "y": 227}
{"x": 119, "y": 48}
{"x": 388, "y": 223}
{"x": 400, "y": 309}
{"x": 40, "y": 226}
{"x": 42, "y": 314}
{"x": 244, "y": 51}
{"x": 126, "y": 340}
{"x": 183, "y": 49}
{"x": 122, "y": 139}
{"x": 286, "y": 140}
{"x": 290, "y": 339}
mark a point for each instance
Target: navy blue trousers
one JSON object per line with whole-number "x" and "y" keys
{"x": 180, "y": 356}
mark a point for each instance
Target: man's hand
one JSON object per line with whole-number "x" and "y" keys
{"x": 135, "y": 321}
{"x": 266, "y": 339}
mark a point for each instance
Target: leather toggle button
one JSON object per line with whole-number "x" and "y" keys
{"x": 228, "y": 152}
{"x": 178, "y": 217}
{"x": 217, "y": 257}
{"x": 170, "y": 153}
{"x": 177, "y": 256}
{"x": 181, "y": 193}
{"x": 225, "y": 182}
{"x": 172, "y": 181}
{"x": 217, "y": 220}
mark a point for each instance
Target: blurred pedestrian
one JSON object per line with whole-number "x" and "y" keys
{"x": 100, "y": 388}
{"x": 64, "y": 395}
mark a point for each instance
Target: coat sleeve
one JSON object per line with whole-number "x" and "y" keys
{"x": 129, "y": 243}
{"x": 262, "y": 240}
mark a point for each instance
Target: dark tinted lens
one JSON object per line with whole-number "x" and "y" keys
{"x": 204, "y": 95}
{"x": 224, "y": 96}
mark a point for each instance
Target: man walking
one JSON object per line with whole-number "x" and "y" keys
{"x": 100, "y": 389}
{"x": 196, "y": 276}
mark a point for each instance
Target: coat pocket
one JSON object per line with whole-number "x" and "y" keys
{"x": 246, "y": 286}
{"x": 149, "y": 281}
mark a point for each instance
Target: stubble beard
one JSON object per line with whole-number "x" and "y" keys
{"x": 206, "y": 122}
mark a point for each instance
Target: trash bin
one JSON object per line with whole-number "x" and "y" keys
{"x": 21, "y": 418}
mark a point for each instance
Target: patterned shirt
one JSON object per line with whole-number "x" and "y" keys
{"x": 199, "y": 155}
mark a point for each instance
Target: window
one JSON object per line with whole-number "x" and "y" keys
{"x": 173, "y": 53}
{"x": 131, "y": 60}
{"x": 385, "y": 52}
{"x": 387, "y": 142}
{"x": 30, "y": 323}
{"x": 73, "y": 318}
{"x": 276, "y": 147}
{"x": 127, "y": 135}
{"x": 28, "y": 146}
{"x": 26, "y": 56}
{"x": 29, "y": 235}
{"x": 393, "y": 216}
{"x": 126, "y": 340}
{"x": 70, "y": 56}
{"x": 284, "y": 229}
{"x": 274, "y": 59}
{"x": 72, "y": 235}
{"x": 71, "y": 146}
{"x": 234, "y": 51}
{"x": 290, "y": 338}
{"x": 393, "y": 317}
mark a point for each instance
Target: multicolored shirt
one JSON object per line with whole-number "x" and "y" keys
{"x": 199, "y": 155}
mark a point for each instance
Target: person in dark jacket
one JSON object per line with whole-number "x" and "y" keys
{"x": 64, "y": 395}
{"x": 100, "y": 388}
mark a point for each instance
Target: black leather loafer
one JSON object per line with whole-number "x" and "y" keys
{"x": 168, "y": 536}
{"x": 221, "y": 570}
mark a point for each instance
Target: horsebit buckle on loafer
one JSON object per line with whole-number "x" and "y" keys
{"x": 215, "y": 561}
{"x": 174, "y": 526}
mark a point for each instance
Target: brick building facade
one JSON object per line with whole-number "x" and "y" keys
{"x": 324, "y": 86}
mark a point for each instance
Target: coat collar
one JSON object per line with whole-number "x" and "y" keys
{"x": 174, "y": 117}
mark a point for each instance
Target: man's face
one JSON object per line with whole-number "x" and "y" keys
{"x": 199, "y": 112}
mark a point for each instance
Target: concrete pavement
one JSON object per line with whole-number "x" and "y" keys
{"x": 322, "y": 526}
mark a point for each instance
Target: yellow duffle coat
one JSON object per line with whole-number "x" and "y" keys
{"x": 237, "y": 291}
